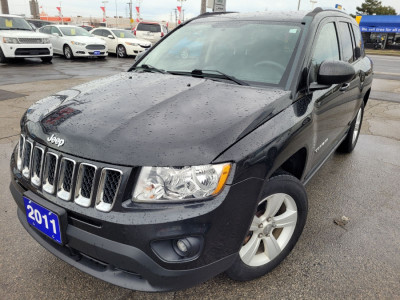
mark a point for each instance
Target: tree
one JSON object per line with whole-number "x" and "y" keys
{"x": 370, "y": 7}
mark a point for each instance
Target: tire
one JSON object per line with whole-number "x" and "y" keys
{"x": 68, "y": 54}
{"x": 350, "y": 142}
{"x": 47, "y": 59}
{"x": 121, "y": 51}
{"x": 277, "y": 225}
{"x": 3, "y": 59}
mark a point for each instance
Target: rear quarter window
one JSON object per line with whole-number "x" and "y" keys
{"x": 358, "y": 39}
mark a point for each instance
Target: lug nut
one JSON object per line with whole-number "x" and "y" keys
{"x": 269, "y": 219}
{"x": 261, "y": 225}
{"x": 260, "y": 235}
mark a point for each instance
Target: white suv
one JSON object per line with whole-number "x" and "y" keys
{"x": 18, "y": 40}
{"x": 150, "y": 31}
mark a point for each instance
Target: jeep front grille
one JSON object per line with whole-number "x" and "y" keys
{"x": 26, "y": 165}
{"x": 67, "y": 178}
{"x": 109, "y": 184}
{"x": 37, "y": 166}
{"x": 50, "y": 172}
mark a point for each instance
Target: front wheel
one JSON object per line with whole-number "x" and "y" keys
{"x": 121, "y": 51}
{"x": 349, "y": 143}
{"x": 68, "y": 52}
{"x": 276, "y": 226}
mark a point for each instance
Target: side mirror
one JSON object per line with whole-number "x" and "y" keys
{"x": 110, "y": 36}
{"x": 55, "y": 34}
{"x": 335, "y": 72}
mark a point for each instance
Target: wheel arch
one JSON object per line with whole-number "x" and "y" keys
{"x": 294, "y": 165}
{"x": 366, "y": 97}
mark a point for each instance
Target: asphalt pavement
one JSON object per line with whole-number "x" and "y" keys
{"x": 358, "y": 260}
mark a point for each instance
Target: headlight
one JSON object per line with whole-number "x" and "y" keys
{"x": 132, "y": 44}
{"x": 46, "y": 41}
{"x": 10, "y": 40}
{"x": 78, "y": 44}
{"x": 158, "y": 184}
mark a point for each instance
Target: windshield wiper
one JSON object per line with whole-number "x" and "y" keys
{"x": 149, "y": 68}
{"x": 198, "y": 72}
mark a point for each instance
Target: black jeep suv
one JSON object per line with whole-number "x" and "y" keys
{"x": 194, "y": 161}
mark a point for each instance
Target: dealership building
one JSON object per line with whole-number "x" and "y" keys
{"x": 380, "y": 31}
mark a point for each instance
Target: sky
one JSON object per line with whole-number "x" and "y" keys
{"x": 162, "y": 9}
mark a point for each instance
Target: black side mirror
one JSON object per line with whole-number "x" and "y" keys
{"x": 335, "y": 72}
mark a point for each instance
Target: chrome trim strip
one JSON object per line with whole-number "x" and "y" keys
{"x": 47, "y": 187}
{"x": 62, "y": 193}
{"x": 100, "y": 204}
{"x": 35, "y": 179}
{"x": 79, "y": 198}
{"x": 20, "y": 152}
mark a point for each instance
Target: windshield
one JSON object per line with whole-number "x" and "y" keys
{"x": 74, "y": 31}
{"x": 251, "y": 51}
{"x": 12, "y": 23}
{"x": 123, "y": 34}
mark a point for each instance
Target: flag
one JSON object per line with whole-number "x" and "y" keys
{"x": 58, "y": 8}
{"x": 179, "y": 9}
{"x": 103, "y": 9}
{"x": 138, "y": 9}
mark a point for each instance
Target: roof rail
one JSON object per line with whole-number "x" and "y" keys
{"x": 210, "y": 14}
{"x": 321, "y": 9}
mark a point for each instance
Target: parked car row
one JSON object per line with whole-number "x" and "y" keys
{"x": 18, "y": 39}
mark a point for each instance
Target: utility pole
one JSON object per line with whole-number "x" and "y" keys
{"x": 130, "y": 14}
{"x": 203, "y": 6}
{"x": 4, "y": 7}
{"x": 116, "y": 14}
{"x": 176, "y": 17}
{"x": 298, "y": 5}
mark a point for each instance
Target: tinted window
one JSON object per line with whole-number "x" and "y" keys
{"x": 347, "y": 45}
{"x": 326, "y": 48}
{"x": 55, "y": 30}
{"x": 45, "y": 29}
{"x": 149, "y": 27}
{"x": 358, "y": 39}
{"x": 97, "y": 32}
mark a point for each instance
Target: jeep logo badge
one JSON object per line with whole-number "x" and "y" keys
{"x": 55, "y": 140}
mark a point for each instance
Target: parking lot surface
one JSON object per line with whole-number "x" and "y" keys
{"x": 358, "y": 260}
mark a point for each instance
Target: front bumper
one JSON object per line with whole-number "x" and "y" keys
{"x": 134, "y": 50}
{"x": 82, "y": 51}
{"x": 27, "y": 50}
{"x": 121, "y": 252}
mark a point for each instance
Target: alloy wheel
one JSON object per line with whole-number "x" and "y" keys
{"x": 270, "y": 231}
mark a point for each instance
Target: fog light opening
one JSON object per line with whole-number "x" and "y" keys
{"x": 183, "y": 247}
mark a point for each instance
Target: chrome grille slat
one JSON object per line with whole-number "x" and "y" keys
{"x": 37, "y": 166}
{"x": 21, "y": 146}
{"x": 95, "y": 47}
{"x": 65, "y": 179}
{"x": 51, "y": 166}
{"x": 108, "y": 189}
{"x": 27, "y": 159}
{"x": 85, "y": 184}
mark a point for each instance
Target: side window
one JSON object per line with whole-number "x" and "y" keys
{"x": 346, "y": 40}
{"x": 106, "y": 33}
{"x": 326, "y": 48}
{"x": 359, "y": 39}
{"x": 97, "y": 32}
{"x": 55, "y": 30}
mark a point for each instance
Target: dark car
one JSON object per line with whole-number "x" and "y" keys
{"x": 39, "y": 23}
{"x": 187, "y": 166}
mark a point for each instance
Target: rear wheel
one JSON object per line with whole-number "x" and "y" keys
{"x": 47, "y": 59}
{"x": 349, "y": 143}
{"x": 276, "y": 226}
{"x": 68, "y": 54}
{"x": 3, "y": 59}
{"x": 121, "y": 51}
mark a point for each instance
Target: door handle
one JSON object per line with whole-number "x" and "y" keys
{"x": 344, "y": 87}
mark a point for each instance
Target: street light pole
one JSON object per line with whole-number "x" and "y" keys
{"x": 203, "y": 6}
{"x": 298, "y": 5}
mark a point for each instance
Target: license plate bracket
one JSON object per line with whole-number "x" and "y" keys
{"x": 96, "y": 52}
{"x": 42, "y": 211}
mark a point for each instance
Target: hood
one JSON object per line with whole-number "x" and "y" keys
{"x": 85, "y": 39}
{"x": 23, "y": 34}
{"x": 152, "y": 119}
